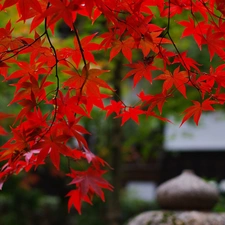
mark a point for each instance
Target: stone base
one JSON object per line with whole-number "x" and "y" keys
{"x": 178, "y": 218}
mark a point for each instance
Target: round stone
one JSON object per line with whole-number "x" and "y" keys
{"x": 187, "y": 192}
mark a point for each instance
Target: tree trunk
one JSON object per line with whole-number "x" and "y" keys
{"x": 115, "y": 139}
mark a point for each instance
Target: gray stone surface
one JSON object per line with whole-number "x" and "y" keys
{"x": 187, "y": 192}
{"x": 178, "y": 218}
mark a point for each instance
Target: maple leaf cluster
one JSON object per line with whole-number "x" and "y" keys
{"x": 56, "y": 87}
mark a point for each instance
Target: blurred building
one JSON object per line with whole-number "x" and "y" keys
{"x": 199, "y": 148}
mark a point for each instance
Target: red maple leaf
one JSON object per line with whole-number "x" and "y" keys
{"x": 125, "y": 46}
{"x": 114, "y": 107}
{"x": 151, "y": 101}
{"x": 53, "y": 145}
{"x": 151, "y": 41}
{"x": 87, "y": 49}
{"x": 178, "y": 79}
{"x": 5, "y": 115}
{"x": 140, "y": 70}
{"x": 71, "y": 128}
{"x": 96, "y": 161}
{"x": 76, "y": 199}
{"x": 131, "y": 113}
{"x": 196, "y": 110}
{"x": 218, "y": 75}
{"x": 175, "y": 7}
{"x": 2, "y": 131}
{"x": 221, "y": 6}
{"x": 187, "y": 62}
{"x": 88, "y": 82}
{"x": 197, "y": 31}
{"x": 87, "y": 183}
{"x": 109, "y": 38}
{"x": 61, "y": 10}
{"x": 215, "y": 43}
{"x": 153, "y": 114}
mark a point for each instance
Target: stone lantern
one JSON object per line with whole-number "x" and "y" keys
{"x": 187, "y": 192}
{"x": 185, "y": 200}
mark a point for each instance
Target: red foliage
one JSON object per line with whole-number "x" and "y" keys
{"x": 132, "y": 30}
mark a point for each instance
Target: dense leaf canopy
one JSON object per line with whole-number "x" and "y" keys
{"x": 55, "y": 87}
